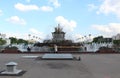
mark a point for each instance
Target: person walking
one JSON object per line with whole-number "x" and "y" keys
{"x": 28, "y": 49}
{"x": 55, "y": 48}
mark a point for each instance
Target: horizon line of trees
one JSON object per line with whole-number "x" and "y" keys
{"x": 14, "y": 40}
{"x": 101, "y": 39}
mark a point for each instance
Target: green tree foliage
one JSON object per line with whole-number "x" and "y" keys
{"x": 22, "y": 41}
{"x": 2, "y": 42}
{"x": 98, "y": 39}
{"x": 116, "y": 42}
{"x": 17, "y": 41}
{"x": 13, "y": 40}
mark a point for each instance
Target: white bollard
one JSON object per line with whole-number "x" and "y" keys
{"x": 11, "y": 69}
{"x": 11, "y": 66}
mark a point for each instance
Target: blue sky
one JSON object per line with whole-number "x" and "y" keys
{"x": 78, "y": 18}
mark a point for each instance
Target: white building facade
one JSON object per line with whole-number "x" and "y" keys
{"x": 116, "y": 37}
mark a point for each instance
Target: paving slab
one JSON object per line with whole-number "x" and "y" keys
{"x": 90, "y": 66}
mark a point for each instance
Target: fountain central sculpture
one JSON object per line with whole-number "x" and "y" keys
{"x": 59, "y": 40}
{"x": 58, "y": 35}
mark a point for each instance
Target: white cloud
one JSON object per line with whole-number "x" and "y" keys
{"x": 102, "y": 28}
{"x": 16, "y": 20}
{"x": 37, "y": 33}
{"x": 17, "y": 35}
{"x": 55, "y": 3}
{"x": 110, "y": 6}
{"x": 34, "y": 31}
{"x": 65, "y": 23}
{"x": 1, "y": 12}
{"x": 24, "y": 35}
{"x": 92, "y": 7}
{"x": 46, "y": 8}
{"x": 78, "y": 37}
{"x": 81, "y": 38}
{"x": 23, "y": 7}
{"x": 109, "y": 30}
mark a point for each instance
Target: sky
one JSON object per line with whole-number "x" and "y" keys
{"x": 78, "y": 18}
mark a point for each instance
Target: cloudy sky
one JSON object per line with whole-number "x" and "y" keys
{"x": 77, "y": 17}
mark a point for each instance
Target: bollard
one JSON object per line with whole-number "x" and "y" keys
{"x": 11, "y": 67}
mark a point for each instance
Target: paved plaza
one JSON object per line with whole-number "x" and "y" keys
{"x": 90, "y": 66}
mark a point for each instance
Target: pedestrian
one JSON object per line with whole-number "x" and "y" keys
{"x": 29, "y": 49}
{"x": 55, "y": 48}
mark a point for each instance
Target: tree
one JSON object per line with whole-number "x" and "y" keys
{"x": 17, "y": 41}
{"x": 116, "y": 42}
{"x": 98, "y": 39}
{"x": 13, "y": 40}
{"x": 89, "y": 36}
{"x": 22, "y": 41}
{"x": 29, "y": 35}
{"x": 2, "y": 42}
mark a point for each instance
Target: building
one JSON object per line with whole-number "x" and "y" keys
{"x": 116, "y": 37}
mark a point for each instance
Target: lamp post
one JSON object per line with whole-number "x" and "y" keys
{"x": 0, "y": 35}
{"x": 89, "y": 37}
{"x": 29, "y": 36}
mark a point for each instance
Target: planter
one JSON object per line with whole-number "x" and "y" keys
{"x": 11, "y": 51}
{"x": 106, "y": 50}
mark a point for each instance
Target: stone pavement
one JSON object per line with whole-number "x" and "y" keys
{"x": 90, "y": 66}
